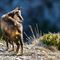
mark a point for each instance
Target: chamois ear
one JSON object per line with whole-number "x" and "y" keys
{"x": 17, "y": 8}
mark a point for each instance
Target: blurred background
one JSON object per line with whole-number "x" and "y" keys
{"x": 44, "y": 13}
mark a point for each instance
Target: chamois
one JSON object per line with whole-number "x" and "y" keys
{"x": 12, "y": 28}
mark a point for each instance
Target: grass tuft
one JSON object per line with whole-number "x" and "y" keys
{"x": 51, "y": 39}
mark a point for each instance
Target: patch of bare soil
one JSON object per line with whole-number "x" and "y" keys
{"x": 31, "y": 52}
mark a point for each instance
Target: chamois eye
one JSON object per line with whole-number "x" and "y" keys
{"x": 11, "y": 14}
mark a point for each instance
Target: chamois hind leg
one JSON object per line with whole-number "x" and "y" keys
{"x": 6, "y": 41}
{"x": 12, "y": 49}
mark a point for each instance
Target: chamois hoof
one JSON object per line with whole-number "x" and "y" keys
{"x": 19, "y": 54}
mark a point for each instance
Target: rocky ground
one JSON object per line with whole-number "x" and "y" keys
{"x": 31, "y": 52}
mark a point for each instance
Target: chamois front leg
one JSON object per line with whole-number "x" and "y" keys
{"x": 17, "y": 49}
{"x": 21, "y": 44}
{"x": 21, "y": 40}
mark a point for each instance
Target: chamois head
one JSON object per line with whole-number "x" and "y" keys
{"x": 15, "y": 14}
